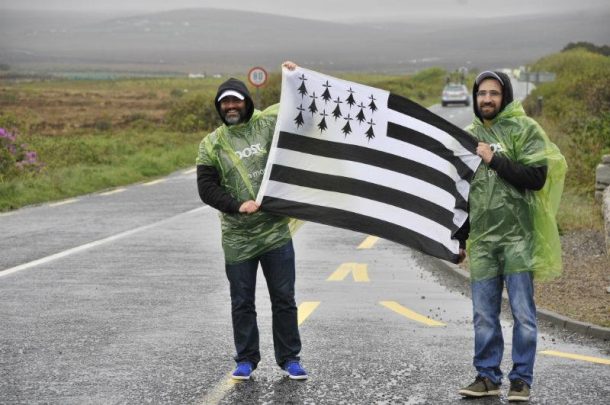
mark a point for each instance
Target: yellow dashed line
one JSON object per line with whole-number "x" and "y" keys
{"x": 358, "y": 270}
{"x": 70, "y": 201}
{"x": 576, "y": 357}
{"x": 406, "y": 312}
{"x": 369, "y": 242}
{"x": 221, "y": 390}
{"x": 305, "y": 309}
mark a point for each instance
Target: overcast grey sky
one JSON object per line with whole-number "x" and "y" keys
{"x": 345, "y": 10}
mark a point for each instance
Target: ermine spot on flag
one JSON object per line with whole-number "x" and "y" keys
{"x": 370, "y": 161}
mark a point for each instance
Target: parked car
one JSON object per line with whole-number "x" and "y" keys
{"x": 455, "y": 94}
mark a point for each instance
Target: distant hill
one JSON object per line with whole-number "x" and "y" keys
{"x": 212, "y": 40}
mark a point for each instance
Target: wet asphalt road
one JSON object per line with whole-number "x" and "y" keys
{"x": 136, "y": 310}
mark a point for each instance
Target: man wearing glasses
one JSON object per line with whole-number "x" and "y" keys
{"x": 513, "y": 236}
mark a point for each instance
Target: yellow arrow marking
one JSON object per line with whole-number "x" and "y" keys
{"x": 406, "y": 312}
{"x": 305, "y": 309}
{"x": 369, "y": 242}
{"x": 576, "y": 357}
{"x": 358, "y": 270}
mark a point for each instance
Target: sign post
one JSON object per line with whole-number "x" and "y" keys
{"x": 257, "y": 76}
{"x": 535, "y": 77}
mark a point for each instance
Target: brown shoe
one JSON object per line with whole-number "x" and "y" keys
{"x": 519, "y": 391}
{"x": 481, "y": 387}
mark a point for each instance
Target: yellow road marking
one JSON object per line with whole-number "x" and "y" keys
{"x": 369, "y": 242}
{"x": 189, "y": 171}
{"x": 150, "y": 183}
{"x": 576, "y": 357}
{"x": 358, "y": 270}
{"x": 70, "y": 201}
{"x": 118, "y": 190}
{"x": 219, "y": 391}
{"x": 406, "y": 312}
{"x": 305, "y": 309}
{"x": 222, "y": 389}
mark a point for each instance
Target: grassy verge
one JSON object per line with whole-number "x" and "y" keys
{"x": 84, "y": 164}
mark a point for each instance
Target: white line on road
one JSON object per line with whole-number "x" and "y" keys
{"x": 189, "y": 171}
{"x": 93, "y": 244}
{"x": 150, "y": 183}
{"x": 70, "y": 201}
{"x": 118, "y": 190}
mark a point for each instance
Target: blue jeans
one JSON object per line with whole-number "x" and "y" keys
{"x": 488, "y": 341}
{"x": 279, "y": 270}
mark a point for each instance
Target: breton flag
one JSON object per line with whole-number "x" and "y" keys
{"x": 361, "y": 158}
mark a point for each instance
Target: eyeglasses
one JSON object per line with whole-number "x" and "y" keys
{"x": 492, "y": 93}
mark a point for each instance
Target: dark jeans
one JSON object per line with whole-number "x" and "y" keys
{"x": 279, "y": 271}
{"x": 488, "y": 339}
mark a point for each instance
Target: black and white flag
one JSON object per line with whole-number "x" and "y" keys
{"x": 361, "y": 158}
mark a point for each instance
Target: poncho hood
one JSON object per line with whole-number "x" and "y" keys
{"x": 240, "y": 87}
{"x": 507, "y": 91}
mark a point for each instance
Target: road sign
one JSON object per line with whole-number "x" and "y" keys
{"x": 257, "y": 76}
{"x": 537, "y": 77}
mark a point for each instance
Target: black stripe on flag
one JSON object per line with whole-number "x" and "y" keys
{"x": 423, "y": 141}
{"x": 384, "y": 160}
{"x": 405, "y": 106}
{"x": 359, "y": 188}
{"x": 359, "y": 223}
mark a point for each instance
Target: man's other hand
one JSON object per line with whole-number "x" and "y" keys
{"x": 485, "y": 152}
{"x": 289, "y": 65}
{"x": 249, "y": 207}
{"x": 462, "y": 255}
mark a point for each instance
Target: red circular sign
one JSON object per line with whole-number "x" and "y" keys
{"x": 257, "y": 76}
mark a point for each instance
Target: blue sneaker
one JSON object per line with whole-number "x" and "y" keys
{"x": 243, "y": 371}
{"x": 294, "y": 370}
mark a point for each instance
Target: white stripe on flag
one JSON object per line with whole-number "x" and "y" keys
{"x": 408, "y": 151}
{"x": 364, "y": 172}
{"x": 434, "y": 133}
{"x": 366, "y": 207}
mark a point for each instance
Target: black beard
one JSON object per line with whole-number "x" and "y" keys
{"x": 490, "y": 115}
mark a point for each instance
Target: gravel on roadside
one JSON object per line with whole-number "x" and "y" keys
{"x": 581, "y": 292}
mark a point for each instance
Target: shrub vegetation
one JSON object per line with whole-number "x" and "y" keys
{"x": 576, "y": 115}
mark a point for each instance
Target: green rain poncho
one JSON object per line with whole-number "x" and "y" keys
{"x": 245, "y": 236}
{"x": 513, "y": 231}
